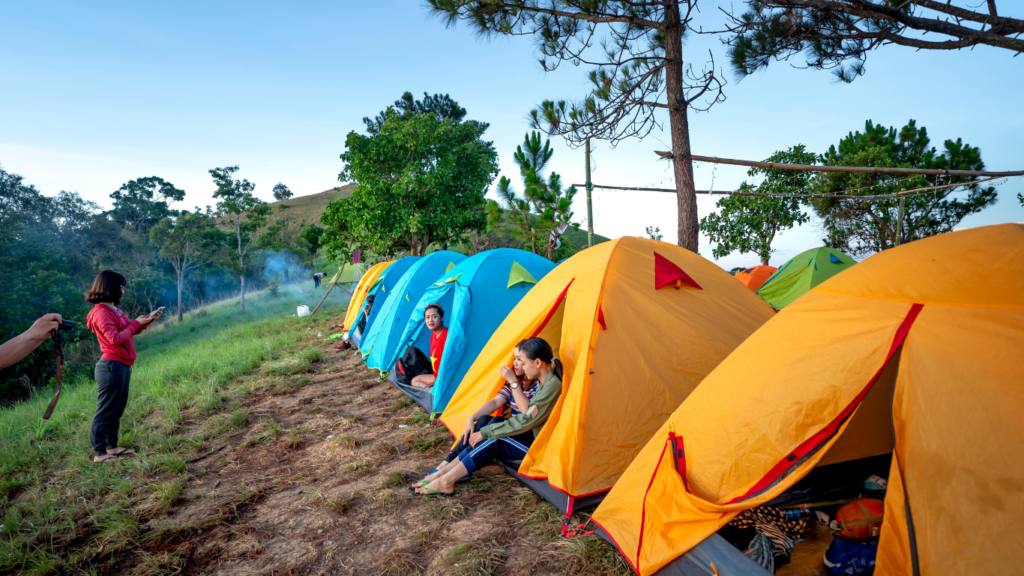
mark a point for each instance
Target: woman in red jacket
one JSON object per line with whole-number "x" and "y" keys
{"x": 115, "y": 332}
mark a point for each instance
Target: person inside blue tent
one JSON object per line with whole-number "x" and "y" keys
{"x": 515, "y": 394}
{"x": 510, "y": 439}
{"x": 433, "y": 316}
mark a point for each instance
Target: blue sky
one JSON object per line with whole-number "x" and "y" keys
{"x": 101, "y": 93}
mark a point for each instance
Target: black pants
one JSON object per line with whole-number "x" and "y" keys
{"x": 112, "y": 379}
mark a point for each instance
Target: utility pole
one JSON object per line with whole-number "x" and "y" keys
{"x": 590, "y": 206}
{"x": 899, "y": 222}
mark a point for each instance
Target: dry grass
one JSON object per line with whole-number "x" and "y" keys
{"x": 397, "y": 562}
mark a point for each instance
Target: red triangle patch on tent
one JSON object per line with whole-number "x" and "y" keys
{"x": 667, "y": 273}
{"x": 600, "y": 317}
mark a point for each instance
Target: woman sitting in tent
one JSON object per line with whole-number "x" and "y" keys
{"x": 433, "y": 316}
{"x": 516, "y": 394}
{"x": 509, "y": 439}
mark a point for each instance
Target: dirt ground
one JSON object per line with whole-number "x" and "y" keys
{"x": 312, "y": 479}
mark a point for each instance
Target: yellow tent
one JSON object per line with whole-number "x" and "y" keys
{"x": 921, "y": 344}
{"x": 637, "y": 325}
{"x": 365, "y": 283}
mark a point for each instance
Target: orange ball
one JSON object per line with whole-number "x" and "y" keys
{"x": 861, "y": 520}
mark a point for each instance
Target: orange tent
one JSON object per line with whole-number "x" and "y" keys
{"x": 913, "y": 354}
{"x": 362, "y": 289}
{"x": 754, "y": 277}
{"x": 637, "y": 325}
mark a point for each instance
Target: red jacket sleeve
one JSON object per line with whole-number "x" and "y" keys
{"x": 106, "y": 326}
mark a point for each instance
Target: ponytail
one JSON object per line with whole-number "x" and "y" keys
{"x": 558, "y": 368}
{"x": 538, "y": 348}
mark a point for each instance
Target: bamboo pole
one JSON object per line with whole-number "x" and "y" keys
{"x": 901, "y": 194}
{"x": 333, "y": 284}
{"x": 847, "y": 169}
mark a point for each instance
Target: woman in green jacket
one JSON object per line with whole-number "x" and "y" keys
{"x": 510, "y": 439}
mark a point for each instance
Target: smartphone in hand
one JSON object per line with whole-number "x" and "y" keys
{"x": 150, "y": 315}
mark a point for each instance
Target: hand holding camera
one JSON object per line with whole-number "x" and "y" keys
{"x": 46, "y": 326}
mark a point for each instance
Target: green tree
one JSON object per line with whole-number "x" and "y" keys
{"x": 46, "y": 262}
{"x": 420, "y": 180}
{"x": 187, "y": 242}
{"x": 281, "y": 192}
{"x": 544, "y": 211}
{"x": 312, "y": 235}
{"x": 860, "y": 227}
{"x": 406, "y": 107}
{"x": 653, "y": 233}
{"x": 837, "y": 35}
{"x": 139, "y": 204}
{"x": 750, "y": 223}
{"x": 636, "y": 48}
{"x": 241, "y": 212}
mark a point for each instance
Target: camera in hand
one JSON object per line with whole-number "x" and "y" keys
{"x": 66, "y": 325}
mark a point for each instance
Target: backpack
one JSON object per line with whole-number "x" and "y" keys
{"x": 412, "y": 363}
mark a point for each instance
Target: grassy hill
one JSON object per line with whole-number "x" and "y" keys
{"x": 309, "y": 208}
{"x": 261, "y": 450}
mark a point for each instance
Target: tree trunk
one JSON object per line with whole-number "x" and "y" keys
{"x": 181, "y": 280}
{"x": 682, "y": 161}
{"x": 241, "y": 260}
{"x": 764, "y": 261}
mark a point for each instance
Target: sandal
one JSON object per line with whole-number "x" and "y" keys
{"x": 432, "y": 493}
{"x": 104, "y": 458}
{"x": 119, "y": 451}
{"x": 418, "y": 484}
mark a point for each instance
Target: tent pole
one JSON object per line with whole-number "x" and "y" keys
{"x": 590, "y": 207}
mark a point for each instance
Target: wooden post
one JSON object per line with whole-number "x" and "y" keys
{"x": 590, "y": 207}
{"x": 899, "y": 222}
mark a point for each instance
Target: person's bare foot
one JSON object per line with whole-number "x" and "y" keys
{"x": 121, "y": 451}
{"x": 438, "y": 486}
{"x": 104, "y": 458}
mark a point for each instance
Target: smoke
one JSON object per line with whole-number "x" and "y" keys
{"x": 284, "y": 267}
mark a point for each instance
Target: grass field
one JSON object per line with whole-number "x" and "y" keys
{"x": 59, "y": 509}
{"x": 262, "y": 450}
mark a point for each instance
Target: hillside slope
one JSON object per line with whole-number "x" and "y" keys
{"x": 261, "y": 450}
{"x": 309, "y": 208}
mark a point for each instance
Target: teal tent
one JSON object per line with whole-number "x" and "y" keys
{"x": 476, "y": 296}
{"x": 382, "y": 338}
{"x": 379, "y": 291}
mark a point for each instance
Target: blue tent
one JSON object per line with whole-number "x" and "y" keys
{"x": 382, "y": 338}
{"x": 380, "y": 290}
{"x": 495, "y": 281}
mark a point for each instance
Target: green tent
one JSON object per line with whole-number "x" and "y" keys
{"x": 352, "y": 273}
{"x": 801, "y": 273}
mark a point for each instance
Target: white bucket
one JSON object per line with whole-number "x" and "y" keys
{"x": 302, "y": 311}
